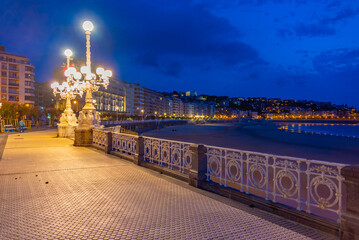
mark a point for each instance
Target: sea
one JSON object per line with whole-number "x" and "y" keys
{"x": 331, "y": 129}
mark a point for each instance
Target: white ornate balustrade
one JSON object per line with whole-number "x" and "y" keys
{"x": 306, "y": 185}
{"x": 167, "y": 153}
{"x": 99, "y": 138}
{"x": 311, "y": 186}
{"x": 124, "y": 143}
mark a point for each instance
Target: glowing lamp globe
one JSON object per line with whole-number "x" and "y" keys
{"x": 77, "y": 75}
{"x": 72, "y": 70}
{"x": 83, "y": 69}
{"x": 87, "y": 26}
{"x": 54, "y": 85}
{"x": 108, "y": 73}
{"x": 67, "y": 73}
{"x": 100, "y": 71}
{"x": 68, "y": 53}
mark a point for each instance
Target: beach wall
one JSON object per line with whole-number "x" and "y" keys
{"x": 144, "y": 125}
{"x": 320, "y": 194}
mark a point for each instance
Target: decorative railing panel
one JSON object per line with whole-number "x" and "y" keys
{"x": 99, "y": 138}
{"x": 124, "y": 143}
{"x": 174, "y": 155}
{"x": 308, "y": 185}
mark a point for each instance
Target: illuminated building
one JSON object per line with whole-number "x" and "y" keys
{"x": 17, "y": 78}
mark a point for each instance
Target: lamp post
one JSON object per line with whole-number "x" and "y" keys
{"x": 68, "y": 90}
{"x": 89, "y": 118}
{"x": 117, "y": 108}
{"x": 77, "y": 105}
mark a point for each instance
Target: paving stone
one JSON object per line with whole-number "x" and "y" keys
{"x": 92, "y": 195}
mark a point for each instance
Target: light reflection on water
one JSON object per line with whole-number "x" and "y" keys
{"x": 331, "y": 129}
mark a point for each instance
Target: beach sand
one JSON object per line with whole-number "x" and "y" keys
{"x": 265, "y": 137}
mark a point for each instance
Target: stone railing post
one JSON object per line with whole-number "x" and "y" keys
{"x": 198, "y": 171}
{"x": 108, "y": 146}
{"x": 83, "y": 137}
{"x": 349, "y": 224}
{"x": 140, "y": 150}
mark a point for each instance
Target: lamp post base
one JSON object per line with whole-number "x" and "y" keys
{"x": 89, "y": 118}
{"x": 83, "y": 137}
{"x": 68, "y": 122}
{"x": 66, "y": 130}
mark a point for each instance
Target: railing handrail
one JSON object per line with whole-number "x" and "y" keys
{"x": 126, "y": 134}
{"x": 164, "y": 139}
{"x": 281, "y": 156}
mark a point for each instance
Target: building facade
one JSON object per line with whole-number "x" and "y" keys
{"x": 17, "y": 78}
{"x": 130, "y": 99}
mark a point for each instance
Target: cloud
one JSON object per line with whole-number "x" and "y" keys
{"x": 339, "y": 60}
{"x": 313, "y": 30}
{"x": 340, "y": 16}
{"x": 320, "y": 27}
{"x": 307, "y": 30}
{"x": 184, "y": 31}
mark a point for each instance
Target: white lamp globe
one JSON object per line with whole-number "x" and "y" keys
{"x": 88, "y": 77}
{"x": 72, "y": 70}
{"x": 77, "y": 75}
{"x": 87, "y": 26}
{"x": 108, "y": 73}
{"x": 65, "y": 84}
{"x": 68, "y": 53}
{"x": 100, "y": 71}
{"x": 83, "y": 69}
{"x": 54, "y": 85}
{"x": 67, "y": 73}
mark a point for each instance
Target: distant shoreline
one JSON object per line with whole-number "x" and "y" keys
{"x": 336, "y": 121}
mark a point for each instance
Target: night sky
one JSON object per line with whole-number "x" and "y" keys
{"x": 300, "y": 49}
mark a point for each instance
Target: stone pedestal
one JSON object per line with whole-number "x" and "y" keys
{"x": 68, "y": 122}
{"x": 198, "y": 170}
{"x": 349, "y": 224}
{"x": 139, "y": 151}
{"x": 66, "y": 130}
{"x": 83, "y": 137}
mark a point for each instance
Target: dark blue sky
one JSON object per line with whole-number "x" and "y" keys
{"x": 299, "y": 49}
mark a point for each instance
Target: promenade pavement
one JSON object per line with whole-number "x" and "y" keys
{"x": 50, "y": 189}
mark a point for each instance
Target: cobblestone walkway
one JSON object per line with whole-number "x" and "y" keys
{"x": 52, "y": 190}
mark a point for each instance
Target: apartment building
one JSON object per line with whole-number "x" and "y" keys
{"x": 111, "y": 99}
{"x": 17, "y": 78}
{"x": 177, "y": 107}
{"x": 167, "y": 106}
{"x": 44, "y": 96}
{"x": 189, "y": 109}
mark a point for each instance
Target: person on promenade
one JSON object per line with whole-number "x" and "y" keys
{"x": 21, "y": 126}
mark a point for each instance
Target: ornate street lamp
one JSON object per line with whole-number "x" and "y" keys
{"x": 89, "y": 118}
{"x": 67, "y": 90}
